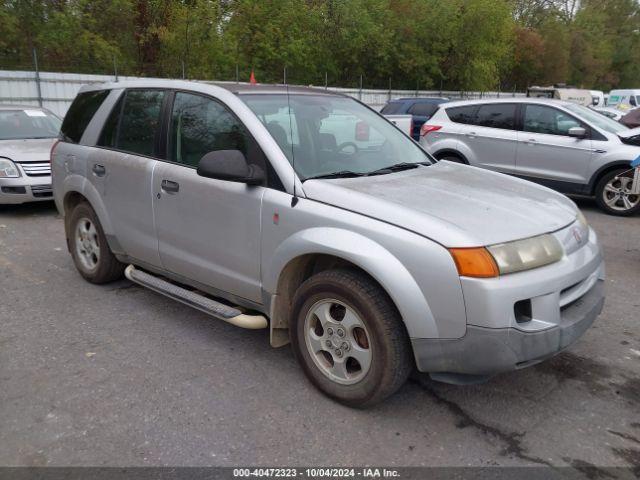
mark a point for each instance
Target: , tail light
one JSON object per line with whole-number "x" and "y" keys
{"x": 428, "y": 129}
{"x": 411, "y": 128}
{"x": 53, "y": 147}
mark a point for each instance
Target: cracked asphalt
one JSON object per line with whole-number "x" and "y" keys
{"x": 117, "y": 375}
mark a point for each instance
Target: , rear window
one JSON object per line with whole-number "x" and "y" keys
{"x": 423, "y": 109}
{"x": 497, "y": 115}
{"x": 80, "y": 113}
{"x": 133, "y": 127}
{"x": 392, "y": 108}
{"x": 464, "y": 114}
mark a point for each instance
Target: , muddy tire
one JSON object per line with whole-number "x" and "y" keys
{"x": 613, "y": 194}
{"x": 349, "y": 338}
{"x": 89, "y": 248}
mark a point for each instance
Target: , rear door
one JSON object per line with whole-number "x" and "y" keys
{"x": 208, "y": 229}
{"x": 131, "y": 135}
{"x": 547, "y": 153}
{"x": 492, "y": 136}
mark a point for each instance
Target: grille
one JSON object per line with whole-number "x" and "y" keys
{"x": 41, "y": 191}
{"x": 36, "y": 169}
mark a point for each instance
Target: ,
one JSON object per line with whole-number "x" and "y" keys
{"x": 307, "y": 213}
{"x": 26, "y": 136}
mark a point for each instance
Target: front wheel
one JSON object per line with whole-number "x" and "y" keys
{"x": 613, "y": 194}
{"x": 349, "y": 338}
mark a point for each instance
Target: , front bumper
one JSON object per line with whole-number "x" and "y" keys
{"x": 25, "y": 189}
{"x": 517, "y": 320}
{"x": 486, "y": 351}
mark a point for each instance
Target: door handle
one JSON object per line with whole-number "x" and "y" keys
{"x": 169, "y": 186}
{"x": 471, "y": 134}
{"x": 99, "y": 170}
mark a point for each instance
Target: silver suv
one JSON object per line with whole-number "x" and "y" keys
{"x": 562, "y": 145}
{"x": 308, "y": 213}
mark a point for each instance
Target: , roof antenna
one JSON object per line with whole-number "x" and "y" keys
{"x": 294, "y": 199}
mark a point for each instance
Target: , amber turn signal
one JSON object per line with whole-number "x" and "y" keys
{"x": 474, "y": 262}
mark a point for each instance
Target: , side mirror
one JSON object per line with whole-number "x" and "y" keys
{"x": 230, "y": 165}
{"x": 577, "y": 132}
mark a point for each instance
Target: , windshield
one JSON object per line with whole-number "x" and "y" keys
{"x": 596, "y": 119}
{"x": 333, "y": 136}
{"x": 27, "y": 123}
